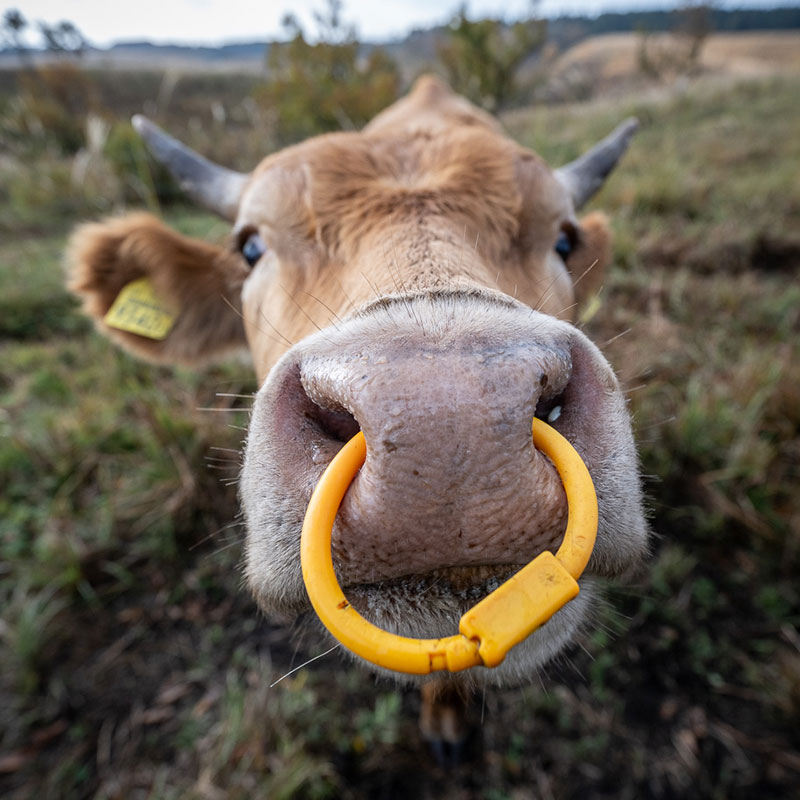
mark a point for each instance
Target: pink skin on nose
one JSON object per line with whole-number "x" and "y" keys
{"x": 445, "y": 397}
{"x": 451, "y": 477}
{"x": 452, "y": 490}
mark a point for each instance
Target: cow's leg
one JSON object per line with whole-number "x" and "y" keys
{"x": 443, "y": 719}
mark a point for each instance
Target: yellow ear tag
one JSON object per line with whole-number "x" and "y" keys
{"x": 489, "y": 629}
{"x": 137, "y": 309}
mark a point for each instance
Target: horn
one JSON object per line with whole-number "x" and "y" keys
{"x": 216, "y": 188}
{"x": 584, "y": 176}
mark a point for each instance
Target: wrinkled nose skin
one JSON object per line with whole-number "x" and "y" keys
{"x": 451, "y": 476}
{"x": 444, "y": 389}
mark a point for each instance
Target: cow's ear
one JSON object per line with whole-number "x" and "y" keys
{"x": 163, "y": 296}
{"x": 591, "y": 255}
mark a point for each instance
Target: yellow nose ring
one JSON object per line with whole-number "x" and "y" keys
{"x": 494, "y": 625}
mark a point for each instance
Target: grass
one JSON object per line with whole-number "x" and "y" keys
{"x": 133, "y": 665}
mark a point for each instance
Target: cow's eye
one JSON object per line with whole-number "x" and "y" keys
{"x": 563, "y": 245}
{"x": 253, "y": 248}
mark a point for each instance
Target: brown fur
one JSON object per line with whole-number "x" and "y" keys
{"x": 202, "y": 281}
{"x": 465, "y": 176}
{"x": 430, "y": 195}
{"x": 443, "y": 711}
{"x": 592, "y": 253}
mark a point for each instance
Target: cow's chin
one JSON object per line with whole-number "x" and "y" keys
{"x": 430, "y": 606}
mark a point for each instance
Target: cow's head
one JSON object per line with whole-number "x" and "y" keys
{"x": 415, "y": 280}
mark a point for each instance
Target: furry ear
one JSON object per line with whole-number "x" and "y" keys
{"x": 200, "y": 283}
{"x": 588, "y": 260}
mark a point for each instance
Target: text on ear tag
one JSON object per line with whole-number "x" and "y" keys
{"x": 137, "y": 309}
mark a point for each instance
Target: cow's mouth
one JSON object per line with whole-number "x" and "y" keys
{"x": 430, "y": 606}
{"x": 462, "y": 587}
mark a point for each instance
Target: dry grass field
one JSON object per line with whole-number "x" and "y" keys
{"x": 754, "y": 54}
{"x": 132, "y": 665}
{"x": 610, "y": 63}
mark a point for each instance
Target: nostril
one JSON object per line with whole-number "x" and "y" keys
{"x": 551, "y": 404}
{"x": 325, "y": 411}
{"x": 550, "y": 408}
{"x": 311, "y": 419}
{"x": 336, "y": 424}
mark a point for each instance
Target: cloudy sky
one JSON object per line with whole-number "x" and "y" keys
{"x": 215, "y": 21}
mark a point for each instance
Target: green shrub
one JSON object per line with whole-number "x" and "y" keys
{"x": 482, "y": 58}
{"x": 326, "y": 86}
{"x": 55, "y": 102}
{"x": 139, "y": 178}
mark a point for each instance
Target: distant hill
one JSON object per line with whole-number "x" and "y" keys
{"x": 242, "y": 50}
{"x": 419, "y": 47}
{"x": 568, "y": 30}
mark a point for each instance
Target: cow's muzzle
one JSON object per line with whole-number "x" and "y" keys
{"x": 444, "y": 390}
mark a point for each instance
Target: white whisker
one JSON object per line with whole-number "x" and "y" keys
{"x": 284, "y": 340}
{"x": 304, "y": 312}
{"x": 260, "y": 330}
{"x": 305, "y": 664}
{"x": 212, "y": 535}
{"x": 346, "y": 296}
{"x": 618, "y": 336}
{"x": 656, "y": 424}
{"x": 326, "y": 306}
{"x": 565, "y": 309}
{"x": 635, "y": 388}
{"x": 586, "y": 272}
{"x": 224, "y": 547}
{"x": 546, "y": 295}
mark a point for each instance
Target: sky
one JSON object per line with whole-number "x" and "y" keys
{"x": 103, "y": 22}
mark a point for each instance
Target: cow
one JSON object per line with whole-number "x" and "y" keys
{"x": 417, "y": 281}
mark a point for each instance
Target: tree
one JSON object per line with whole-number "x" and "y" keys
{"x": 694, "y": 25}
{"x": 482, "y": 58}
{"x": 679, "y": 52}
{"x": 63, "y": 38}
{"x": 14, "y": 25}
{"x": 326, "y": 85}
{"x": 55, "y": 96}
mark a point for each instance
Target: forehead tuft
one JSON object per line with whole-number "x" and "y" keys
{"x": 463, "y": 177}
{"x": 430, "y": 159}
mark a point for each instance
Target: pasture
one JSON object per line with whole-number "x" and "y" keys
{"x": 133, "y": 665}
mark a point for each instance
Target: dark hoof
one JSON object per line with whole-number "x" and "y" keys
{"x": 448, "y": 754}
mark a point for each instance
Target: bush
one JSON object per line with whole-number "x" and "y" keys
{"x": 139, "y": 181}
{"x": 667, "y": 57}
{"x": 483, "y": 58}
{"x": 327, "y": 86}
{"x": 50, "y": 109}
